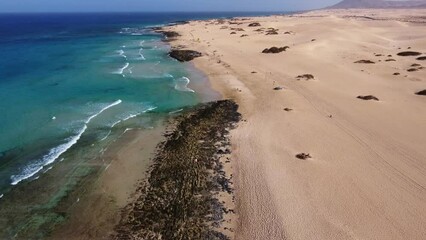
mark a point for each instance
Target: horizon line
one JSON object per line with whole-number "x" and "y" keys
{"x": 91, "y": 12}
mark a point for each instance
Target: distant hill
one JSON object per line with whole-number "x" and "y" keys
{"x": 380, "y": 4}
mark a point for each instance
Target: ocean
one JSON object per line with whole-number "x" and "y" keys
{"x": 71, "y": 83}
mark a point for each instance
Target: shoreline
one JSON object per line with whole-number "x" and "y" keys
{"x": 375, "y": 162}
{"x": 186, "y": 192}
{"x": 99, "y": 205}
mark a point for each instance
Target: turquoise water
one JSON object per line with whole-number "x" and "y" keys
{"x": 70, "y": 85}
{"x": 64, "y": 75}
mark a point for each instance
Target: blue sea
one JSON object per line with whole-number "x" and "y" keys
{"x": 68, "y": 80}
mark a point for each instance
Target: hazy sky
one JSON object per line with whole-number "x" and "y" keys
{"x": 158, "y": 5}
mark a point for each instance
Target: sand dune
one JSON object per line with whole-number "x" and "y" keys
{"x": 365, "y": 177}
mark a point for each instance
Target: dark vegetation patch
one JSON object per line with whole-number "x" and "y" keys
{"x": 390, "y": 60}
{"x": 275, "y": 49}
{"x": 272, "y": 31}
{"x": 256, "y": 24}
{"x": 365, "y": 61}
{"x": 422, "y": 58}
{"x": 409, "y": 53}
{"x": 368, "y": 97}
{"x": 396, "y": 74}
{"x": 244, "y": 35}
{"x": 422, "y": 93}
{"x": 306, "y": 77}
{"x": 303, "y": 156}
{"x": 177, "y": 201}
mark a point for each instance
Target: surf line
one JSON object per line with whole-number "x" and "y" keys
{"x": 54, "y": 153}
{"x": 121, "y": 70}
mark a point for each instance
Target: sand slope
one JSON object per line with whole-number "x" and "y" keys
{"x": 367, "y": 175}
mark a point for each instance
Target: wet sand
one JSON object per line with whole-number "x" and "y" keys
{"x": 97, "y": 204}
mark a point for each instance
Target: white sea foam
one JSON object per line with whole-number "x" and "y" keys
{"x": 121, "y": 53}
{"x": 127, "y": 129}
{"x": 1, "y": 195}
{"x": 115, "y": 123}
{"x": 173, "y": 112}
{"x": 103, "y": 109}
{"x": 106, "y": 136}
{"x": 49, "y": 168}
{"x": 131, "y": 115}
{"x": 121, "y": 70}
{"x": 182, "y": 84}
{"x": 54, "y": 153}
{"x": 141, "y": 43}
{"x": 142, "y": 57}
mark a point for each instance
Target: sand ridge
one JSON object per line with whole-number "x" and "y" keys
{"x": 365, "y": 178}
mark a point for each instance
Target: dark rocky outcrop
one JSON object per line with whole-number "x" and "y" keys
{"x": 368, "y": 97}
{"x": 184, "y": 55}
{"x": 422, "y": 93}
{"x": 278, "y": 88}
{"x": 169, "y": 35}
{"x": 275, "y": 49}
{"x": 409, "y": 53}
{"x": 422, "y": 58}
{"x": 232, "y": 33}
{"x": 365, "y": 61}
{"x": 390, "y": 60}
{"x": 396, "y": 74}
{"x": 178, "y": 200}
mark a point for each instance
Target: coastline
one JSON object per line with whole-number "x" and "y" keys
{"x": 309, "y": 159}
{"x": 364, "y": 159}
{"x": 81, "y": 196}
{"x": 97, "y": 208}
{"x": 188, "y": 191}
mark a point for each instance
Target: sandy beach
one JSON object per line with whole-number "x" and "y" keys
{"x": 363, "y": 175}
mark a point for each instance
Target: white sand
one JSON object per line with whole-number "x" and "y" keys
{"x": 367, "y": 175}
